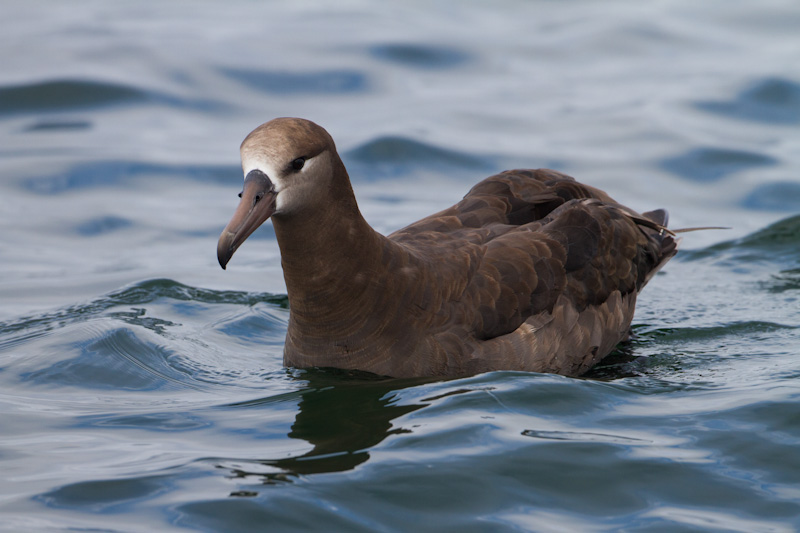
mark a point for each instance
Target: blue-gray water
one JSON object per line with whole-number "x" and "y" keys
{"x": 141, "y": 387}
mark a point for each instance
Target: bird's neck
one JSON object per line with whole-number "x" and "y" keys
{"x": 336, "y": 268}
{"x": 322, "y": 252}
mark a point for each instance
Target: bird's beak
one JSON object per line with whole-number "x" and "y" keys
{"x": 256, "y": 206}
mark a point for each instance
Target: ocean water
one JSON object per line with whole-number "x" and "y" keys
{"x": 142, "y": 389}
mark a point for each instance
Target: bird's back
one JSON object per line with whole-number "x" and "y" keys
{"x": 536, "y": 272}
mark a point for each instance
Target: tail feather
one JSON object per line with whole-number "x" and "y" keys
{"x": 659, "y": 216}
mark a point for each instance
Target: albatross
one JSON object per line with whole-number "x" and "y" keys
{"x": 530, "y": 271}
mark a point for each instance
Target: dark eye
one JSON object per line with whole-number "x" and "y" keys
{"x": 298, "y": 163}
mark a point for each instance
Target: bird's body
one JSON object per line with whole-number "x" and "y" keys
{"x": 530, "y": 271}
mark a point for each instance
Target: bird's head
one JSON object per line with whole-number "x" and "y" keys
{"x": 288, "y": 166}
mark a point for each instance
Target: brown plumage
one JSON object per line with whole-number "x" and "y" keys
{"x": 530, "y": 271}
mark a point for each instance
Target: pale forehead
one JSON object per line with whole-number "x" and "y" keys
{"x": 258, "y": 162}
{"x": 284, "y": 139}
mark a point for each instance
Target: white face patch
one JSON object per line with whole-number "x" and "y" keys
{"x": 264, "y": 166}
{"x": 293, "y": 189}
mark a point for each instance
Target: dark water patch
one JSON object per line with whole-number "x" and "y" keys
{"x": 775, "y": 196}
{"x": 743, "y": 329}
{"x": 771, "y": 100}
{"x": 420, "y": 56}
{"x": 138, "y": 294}
{"x": 118, "y": 360}
{"x": 102, "y": 225}
{"x": 70, "y": 95}
{"x": 53, "y": 125}
{"x": 775, "y": 237}
{"x": 285, "y": 83}
{"x": 786, "y": 280}
{"x": 64, "y": 95}
{"x": 778, "y": 243}
{"x": 397, "y": 156}
{"x": 112, "y": 495}
{"x": 113, "y": 174}
{"x": 707, "y": 165}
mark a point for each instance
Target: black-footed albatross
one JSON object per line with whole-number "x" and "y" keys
{"x": 530, "y": 271}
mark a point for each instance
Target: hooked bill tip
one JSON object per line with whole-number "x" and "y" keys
{"x": 225, "y": 249}
{"x": 223, "y": 259}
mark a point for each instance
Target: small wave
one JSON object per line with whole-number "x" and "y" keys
{"x": 419, "y": 55}
{"x": 295, "y": 83}
{"x": 393, "y": 156}
{"x": 50, "y": 125}
{"x": 70, "y": 94}
{"x": 786, "y": 280}
{"x": 62, "y": 95}
{"x": 106, "y": 495}
{"x": 102, "y": 225}
{"x": 745, "y": 329}
{"x": 772, "y": 100}
{"x": 154, "y": 335}
{"x": 110, "y": 174}
{"x": 777, "y": 243}
{"x": 774, "y": 196}
{"x": 117, "y": 360}
{"x": 140, "y": 293}
{"x": 170, "y": 421}
{"x": 706, "y": 165}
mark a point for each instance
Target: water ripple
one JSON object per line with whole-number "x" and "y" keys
{"x": 706, "y": 165}
{"x": 70, "y": 94}
{"x": 102, "y": 225}
{"x": 778, "y": 243}
{"x": 392, "y": 156}
{"x": 744, "y": 329}
{"x": 110, "y": 174}
{"x": 105, "y": 495}
{"x": 420, "y": 55}
{"x": 140, "y": 293}
{"x": 301, "y": 83}
{"x": 774, "y": 196}
{"x": 771, "y": 100}
{"x": 50, "y": 125}
{"x": 118, "y": 360}
{"x": 61, "y": 95}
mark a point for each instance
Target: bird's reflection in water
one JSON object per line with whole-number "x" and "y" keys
{"x": 342, "y": 414}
